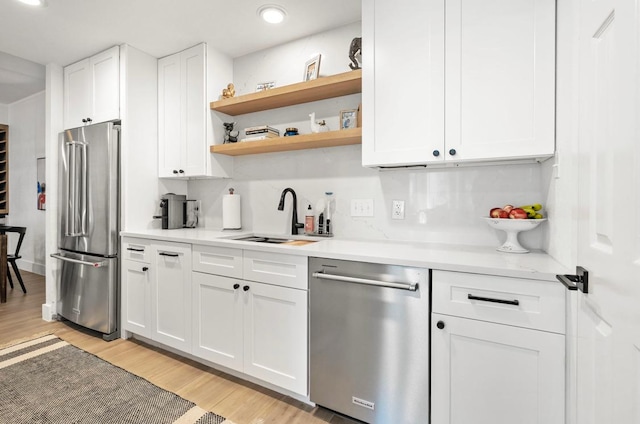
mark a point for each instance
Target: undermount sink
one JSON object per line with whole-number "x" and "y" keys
{"x": 258, "y": 239}
{"x": 274, "y": 240}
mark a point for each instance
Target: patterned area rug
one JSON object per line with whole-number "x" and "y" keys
{"x": 47, "y": 380}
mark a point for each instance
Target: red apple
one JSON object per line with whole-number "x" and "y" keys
{"x": 517, "y": 213}
{"x": 503, "y": 214}
{"x": 507, "y": 208}
{"x": 495, "y": 213}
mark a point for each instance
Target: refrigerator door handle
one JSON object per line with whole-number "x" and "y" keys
{"x": 76, "y": 191}
{"x": 78, "y": 261}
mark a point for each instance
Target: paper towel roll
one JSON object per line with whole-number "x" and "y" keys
{"x": 231, "y": 212}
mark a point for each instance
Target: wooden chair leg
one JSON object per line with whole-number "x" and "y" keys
{"x": 9, "y": 278}
{"x": 17, "y": 272}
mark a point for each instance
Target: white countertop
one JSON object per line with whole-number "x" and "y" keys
{"x": 473, "y": 259}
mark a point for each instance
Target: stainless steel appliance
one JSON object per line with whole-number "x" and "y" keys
{"x": 191, "y": 213}
{"x": 172, "y": 211}
{"x": 369, "y": 340}
{"x": 88, "y": 239}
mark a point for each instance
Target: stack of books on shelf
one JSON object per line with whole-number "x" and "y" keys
{"x": 262, "y": 132}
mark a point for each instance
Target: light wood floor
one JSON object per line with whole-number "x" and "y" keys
{"x": 235, "y": 399}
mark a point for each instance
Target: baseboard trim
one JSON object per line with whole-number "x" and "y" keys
{"x": 39, "y": 269}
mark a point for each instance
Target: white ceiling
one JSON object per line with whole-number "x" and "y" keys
{"x": 69, "y": 30}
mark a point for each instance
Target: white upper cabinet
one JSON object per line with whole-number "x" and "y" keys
{"x": 402, "y": 81}
{"x": 482, "y": 81}
{"x": 92, "y": 89}
{"x": 183, "y": 147}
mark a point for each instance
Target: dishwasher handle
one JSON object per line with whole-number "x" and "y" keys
{"x": 366, "y": 281}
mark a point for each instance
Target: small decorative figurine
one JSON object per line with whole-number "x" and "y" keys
{"x": 230, "y": 136}
{"x": 354, "y": 49}
{"x": 228, "y": 92}
{"x": 317, "y": 127}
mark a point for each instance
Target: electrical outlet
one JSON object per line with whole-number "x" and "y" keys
{"x": 397, "y": 209}
{"x": 362, "y": 207}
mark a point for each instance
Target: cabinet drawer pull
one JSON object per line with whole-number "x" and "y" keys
{"x": 145, "y": 268}
{"x": 489, "y": 299}
{"x": 172, "y": 255}
{"x": 133, "y": 249}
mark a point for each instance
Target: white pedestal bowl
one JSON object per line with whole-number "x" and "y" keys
{"x": 512, "y": 227}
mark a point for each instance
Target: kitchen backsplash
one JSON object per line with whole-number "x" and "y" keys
{"x": 441, "y": 205}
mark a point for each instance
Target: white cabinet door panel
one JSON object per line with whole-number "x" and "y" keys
{"x": 217, "y": 319}
{"x": 136, "y": 297}
{"x": 169, "y": 123}
{"x": 486, "y": 373}
{"x": 194, "y": 110}
{"x": 172, "y": 295}
{"x": 105, "y": 71}
{"x": 77, "y": 93}
{"x": 275, "y": 345}
{"x": 403, "y": 81}
{"x": 500, "y": 66}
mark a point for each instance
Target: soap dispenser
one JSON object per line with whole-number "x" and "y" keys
{"x": 309, "y": 221}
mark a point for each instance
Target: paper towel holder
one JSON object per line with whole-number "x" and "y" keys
{"x": 231, "y": 215}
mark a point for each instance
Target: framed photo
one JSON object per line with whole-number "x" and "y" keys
{"x": 348, "y": 119}
{"x": 312, "y": 69}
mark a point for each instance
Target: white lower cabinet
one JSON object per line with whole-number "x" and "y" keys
{"x": 156, "y": 291}
{"x": 136, "y": 286}
{"x": 275, "y": 335}
{"x": 217, "y": 319}
{"x": 136, "y": 297}
{"x": 250, "y": 313}
{"x": 171, "y": 297}
{"x": 486, "y": 373}
{"x": 493, "y": 361}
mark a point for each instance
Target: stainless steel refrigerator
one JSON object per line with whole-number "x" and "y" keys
{"x": 88, "y": 236}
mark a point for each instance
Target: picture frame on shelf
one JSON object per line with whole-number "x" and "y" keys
{"x": 312, "y": 68}
{"x": 348, "y": 119}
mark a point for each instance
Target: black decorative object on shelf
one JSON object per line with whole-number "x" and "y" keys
{"x": 230, "y": 136}
{"x": 354, "y": 49}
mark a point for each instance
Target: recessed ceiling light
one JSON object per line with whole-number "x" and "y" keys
{"x": 41, "y": 3}
{"x": 272, "y": 13}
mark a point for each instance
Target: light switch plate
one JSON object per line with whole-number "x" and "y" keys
{"x": 362, "y": 207}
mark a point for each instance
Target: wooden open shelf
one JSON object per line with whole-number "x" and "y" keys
{"x": 294, "y": 94}
{"x": 297, "y": 142}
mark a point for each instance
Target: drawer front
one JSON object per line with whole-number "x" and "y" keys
{"x": 218, "y": 260}
{"x": 276, "y": 268}
{"x": 138, "y": 250}
{"x": 524, "y": 303}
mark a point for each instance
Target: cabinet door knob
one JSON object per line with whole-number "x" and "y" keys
{"x": 245, "y": 288}
{"x": 84, "y": 120}
{"x": 440, "y": 325}
{"x": 436, "y": 153}
{"x": 175, "y": 171}
{"x": 181, "y": 171}
{"x": 145, "y": 268}
{"x": 236, "y": 286}
{"x": 452, "y": 152}
{"x": 89, "y": 120}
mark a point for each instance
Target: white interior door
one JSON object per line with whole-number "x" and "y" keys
{"x": 608, "y": 317}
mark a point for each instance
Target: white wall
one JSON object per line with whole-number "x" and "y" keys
{"x": 4, "y": 114}
{"x": 444, "y": 205}
{"x": 26, "y": 143}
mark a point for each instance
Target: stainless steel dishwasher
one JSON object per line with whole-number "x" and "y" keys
{"x": 369, "y": 340}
